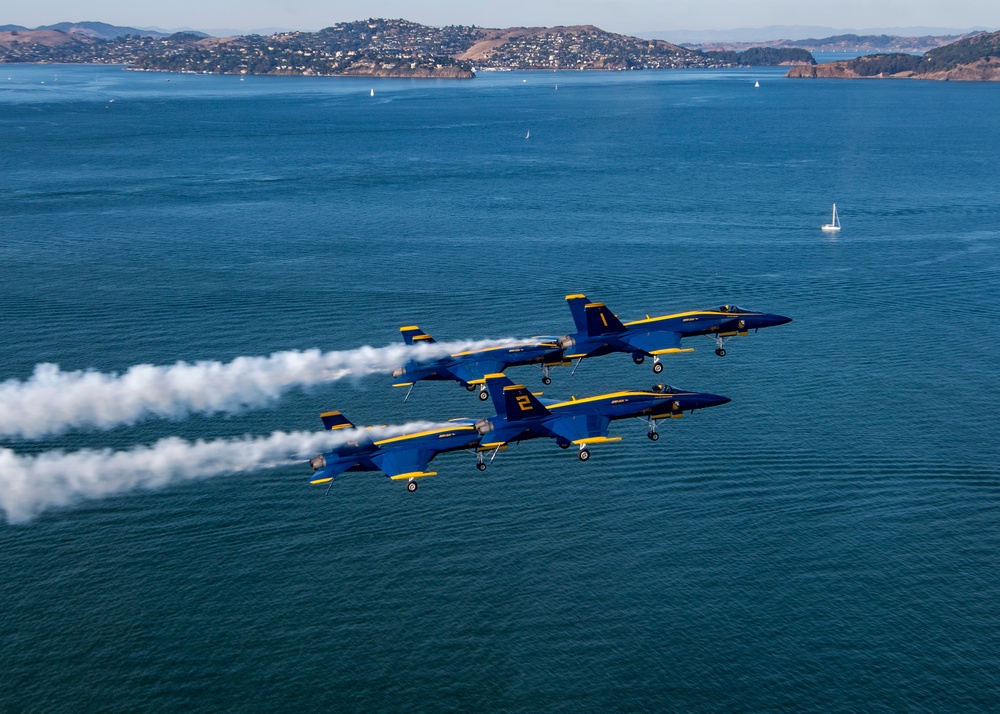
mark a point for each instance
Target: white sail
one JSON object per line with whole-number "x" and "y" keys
{"x": 834, "y": 224}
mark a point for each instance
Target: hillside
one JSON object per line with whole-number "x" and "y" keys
{"x": 976, "y": 58}
{"x": 375, "y": 47}
{"x": 843, "y": 43}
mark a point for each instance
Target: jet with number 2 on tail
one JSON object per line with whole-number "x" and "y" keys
{"x": 470, "y": 368}
{"x": 403, "y": 457}
{"x": 600, "y": 332}
{"x": 581, "y": 422}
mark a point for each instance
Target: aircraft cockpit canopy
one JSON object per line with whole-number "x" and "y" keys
{"x": 662, "y": 389}
{"x": 732, "y": 308}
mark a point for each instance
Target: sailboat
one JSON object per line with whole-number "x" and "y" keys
{"x": 756, "y": 84}
{"x": 528, "y": 135}
{"x": 372, "y": 92}
{"x": 834, "y": 224}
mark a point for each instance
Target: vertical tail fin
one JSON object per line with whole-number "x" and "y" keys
{"x": 600, "y": 320}
{"x": 335, "y": 420}
{"x": 519, "y": 403}
{"x": 576, "y": 303}
{"x": 414, "y": 335}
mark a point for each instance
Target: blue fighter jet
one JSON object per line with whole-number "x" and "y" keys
{"x": 600, "y": 332}
{"x": 469, "y": 368}
{"x": 521, "y": 415}
{"x": 403, "y": 457}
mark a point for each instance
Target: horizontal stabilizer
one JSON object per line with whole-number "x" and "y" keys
{"x": 335, "y": 420}
{"x": 413, "y": 335}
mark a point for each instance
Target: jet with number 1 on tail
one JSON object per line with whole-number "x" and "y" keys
{"x": 470, "y": 368}
{"x": 600, "y": 332}
{"x": 402, "y": 458}
{"x": 521, "y": 415}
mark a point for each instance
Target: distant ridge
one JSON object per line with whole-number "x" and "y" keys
{"x": 771, "y": 33}
{"x": 973, "y": 59}
{"x": 95, "y": 30}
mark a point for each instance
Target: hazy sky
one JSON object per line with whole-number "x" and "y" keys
{"x": 615, "y": 15}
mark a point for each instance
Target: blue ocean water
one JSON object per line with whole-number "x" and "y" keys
{"x": 826, "y": 541}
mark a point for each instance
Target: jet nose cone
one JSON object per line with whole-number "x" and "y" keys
{"x": 714, "y": 400}
{"x": 779, "y": 319}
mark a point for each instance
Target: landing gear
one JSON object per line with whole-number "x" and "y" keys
{"x": 546, "y": 381}
{"x": 653, "y": 436}
{"x": 638, "y": 359}
{"x": 411, "y": 486}
{"x": 481, "y": 466}
{"x": 720, "y": 343}
{"x": 657, "y": 367}
{"x": 584, "y": 454}
{"x": 721, "y": 352}
{"x": 563, "y": 444}
{"x": 484, "y": 395}
{"x": 470, "y": 387}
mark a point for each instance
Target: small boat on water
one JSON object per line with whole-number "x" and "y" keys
{"x": 372, "y": 93}
{"x": 756, "y": 84}
{"x": 834, "y": 224}
{"x": 528, "y": 135}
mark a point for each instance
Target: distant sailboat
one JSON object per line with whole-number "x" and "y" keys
{"x": 834, "y": 224}
{"x": 528, "y": 135}
{"x": 372, "y": 92}
{"x": 756, "y": 84}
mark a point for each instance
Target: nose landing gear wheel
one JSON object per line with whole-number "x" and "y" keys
{"x": 546, "y": 381}
{"x": 584, "y": 454}
{"x": 481, "y": 466}
{"x": 657, "y": 368}
{"x": 653, "y": 436}
{"x": 411, "y": 486}
{"x": 483, "y": 396}
{"x": 721, "y": 352}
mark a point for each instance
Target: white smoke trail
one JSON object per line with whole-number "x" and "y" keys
{"x": 52, "y": 401}
{"x": 30, "y": 485}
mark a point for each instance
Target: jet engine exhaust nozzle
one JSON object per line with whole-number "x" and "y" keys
{"x": 399, "y": 372}
{"x": 484, "y": 426}
{"x": 565, "y": 342}
{"x": 317, "y": 462}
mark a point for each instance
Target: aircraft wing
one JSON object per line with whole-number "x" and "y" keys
{"x": 655, "y": 342}
{"x": 581, "y": 428}
{"x": 474, "y": 371}
{"x": 403, "y": 462}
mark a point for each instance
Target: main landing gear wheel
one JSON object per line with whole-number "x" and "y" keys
{"x": 721, "y": 352}
{"x": 653, "y": 436}
{"x": 411, "y": 486}
{"x": 584, "y": 454}
{"x": 546, "y": 381}
{"x": 470, "y": 387}
{"x": 483, "y": 396}
{"x": 658, "y": 367}
{"x": 481, "y": 466}
{"x": 563, "y": 444}
{"x": 639, "y": 360}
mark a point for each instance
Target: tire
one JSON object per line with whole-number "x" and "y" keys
{"x": 639, "y": 360}
{"x": 653, "y": 436}
{"x": 481, "y": 466}
{"x": 658, "y": 367}
{"x": 721, "y": 352}
{"x": 563, "y": 444}
{"x": 584, "y": 455}
{"x": 470, "y": 387}
{"x": 546, "y": 381}
{"x": 411, "y": 486}
{"x": 483, "y": 396}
